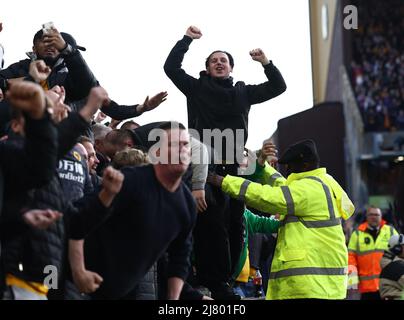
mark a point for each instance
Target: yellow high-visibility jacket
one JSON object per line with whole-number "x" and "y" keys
{"x": 311, "y": 258}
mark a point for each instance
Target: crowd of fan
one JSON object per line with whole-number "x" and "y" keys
{"x": 89, "y": 203}
{"x": 377, "y": 68}
{"x": 62, "y": 166}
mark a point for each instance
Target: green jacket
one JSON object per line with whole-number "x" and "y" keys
{"x": 254, "y": 224}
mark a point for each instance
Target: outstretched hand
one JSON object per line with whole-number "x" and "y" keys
{"x": 153, "y": 102}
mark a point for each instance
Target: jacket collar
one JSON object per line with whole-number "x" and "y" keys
{"x": 301, "y": 175}
{"x": 228, "y": 82}
{"x": 364, "y": 226}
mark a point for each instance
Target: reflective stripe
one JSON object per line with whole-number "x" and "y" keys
{"x": 272, "y": 178}
{"x": 357, "y": 240}
{"x": 243, "y": 190}
{"x": 362, "y": 253}
{"x": 311, "y": 224}
{"x": 391, "y": 231}
{"x": 308, "y": 271}
{"x": 328, "y": 196}
{"x": 289, "y": 200}
{"x": 351, "y": 250}
{"x": 364, "y": 278}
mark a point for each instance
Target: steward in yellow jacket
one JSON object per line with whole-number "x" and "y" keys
{"x": 366, "y": 248}
{"x": 311, "y": 258}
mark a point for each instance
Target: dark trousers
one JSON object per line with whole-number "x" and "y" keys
{"x": 218, "y": 235}
{"x": 370, "y": 296}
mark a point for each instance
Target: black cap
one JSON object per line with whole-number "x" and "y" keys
{"x": 66, "y": 36}
{"x": 301, "y": 151}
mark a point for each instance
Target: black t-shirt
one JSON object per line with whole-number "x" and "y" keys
{"x": 147, "y": 221}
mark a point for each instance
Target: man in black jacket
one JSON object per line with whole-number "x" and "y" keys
{"x": 153, "y": 213}
{"x": 61, "y": 53}
{"x": 31, "y": 165}
{"x": 214, "y": 102}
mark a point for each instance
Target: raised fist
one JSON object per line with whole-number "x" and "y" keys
{"x": 97, "y": 97}
{"x": 193, "y": 32}
{"x": 39, "y": 71}
{"x": 112, "y": 180}
{"x": 28, "y": 97}
{"x": 259, "y": 55}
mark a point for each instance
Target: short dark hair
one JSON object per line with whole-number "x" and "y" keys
{"x": 231, "y": 60}
{"x": 68, "y": 38}
{"x": 119, "y": 136}
{"x": 38, "y": 36}
{"x": 166, "y": 125}
{"x": 128, "y": 123}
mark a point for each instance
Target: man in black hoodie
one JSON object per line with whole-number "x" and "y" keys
{"x": 61, "y": 53}
{"x": 214, "y": 102}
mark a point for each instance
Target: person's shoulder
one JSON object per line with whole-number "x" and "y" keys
{"x": 17, "y": 66}
{"x": 240, "y": 84}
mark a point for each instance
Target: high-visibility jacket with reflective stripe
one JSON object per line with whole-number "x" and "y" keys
{"x": 311, "y": 257}
{"x": 365, "y": 254}
{"x": 267, "y": 175}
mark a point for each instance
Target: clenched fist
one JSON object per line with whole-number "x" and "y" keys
{"x": 259, "y": 55}
{"x": 112, "y": 180}
{"x": 28, "y": 97}
{"x": 193, "y": 32}
{"x": 87, "y": 281}
{"x": 39, "y": 71}
{"x": 268, "y": 153}
{"x": 98, "y": 97}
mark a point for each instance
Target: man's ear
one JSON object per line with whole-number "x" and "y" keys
{"x": 34, "y": 49}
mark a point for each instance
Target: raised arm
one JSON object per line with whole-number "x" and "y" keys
{"x": 79, "y": 79}
{"x": 173, "y": 65}
{"x": 121, "y": 112}
{"x": 269, "y": 89}
{"x": 34, "y": 165}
